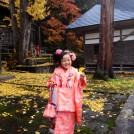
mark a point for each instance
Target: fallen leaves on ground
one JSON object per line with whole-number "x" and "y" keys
{"x": 23, "y": 98}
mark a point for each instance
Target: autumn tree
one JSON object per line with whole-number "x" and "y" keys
{"x": 23, "y": 13}
{"x": 74, "y": 41}
{"x": 26, "y": 19}
{"x": 104, "y": 66}
{"x": 62, "y": 13}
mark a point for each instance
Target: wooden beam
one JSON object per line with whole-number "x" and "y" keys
{"x": 126, "y": 36}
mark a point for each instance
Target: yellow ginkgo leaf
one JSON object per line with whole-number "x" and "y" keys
{"x": 81, "y": 69}
{"x": 37, "y": 132}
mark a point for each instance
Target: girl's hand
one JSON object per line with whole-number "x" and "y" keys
{"x": 51, "y": 84}
{"x": 82, "y": 75}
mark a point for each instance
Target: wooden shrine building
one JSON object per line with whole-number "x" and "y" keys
{"x": 123, "y": 41}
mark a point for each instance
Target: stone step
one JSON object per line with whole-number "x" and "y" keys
{"x": 35, "y": 61}
{"x": 6, "y": 77}
{"x": 46, "y": 55}
{"x": 37, "y": 68}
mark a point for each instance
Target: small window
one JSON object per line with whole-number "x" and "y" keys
{"x": 96, "y": 49}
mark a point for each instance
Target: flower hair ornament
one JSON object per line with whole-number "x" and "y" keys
{"x": 73, "y": 56}
{"x": 58, "y": 51}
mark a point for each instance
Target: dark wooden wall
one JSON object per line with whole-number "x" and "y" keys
{"x": 123, "y": 54}
{"x": 90, "y": 57}
{"x": 6, "y": 40}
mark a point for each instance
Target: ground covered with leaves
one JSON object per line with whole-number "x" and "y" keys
{"x": 23, "y": 99}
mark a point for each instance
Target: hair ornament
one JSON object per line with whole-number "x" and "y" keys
{"x": 58, "y": 51}
{"x": 73, "y": 56}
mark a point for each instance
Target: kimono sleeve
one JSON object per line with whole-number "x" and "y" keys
{"x": 79, "y": 84}
{"x": 52, "y": 79}
{"x": 82, "y": 82}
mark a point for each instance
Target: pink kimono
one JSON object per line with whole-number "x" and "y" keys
{"x": 69, "y": 99}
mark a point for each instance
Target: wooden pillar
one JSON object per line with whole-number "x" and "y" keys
{"x": 106, "y": 37}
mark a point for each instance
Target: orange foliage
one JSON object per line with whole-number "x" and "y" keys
{"x": 55, "y": 29}
{"x": 62, "y": 13}
{"x": 71, "y": 36}
{"x": 73, "y": 40}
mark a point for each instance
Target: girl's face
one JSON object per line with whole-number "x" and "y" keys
{"x": 66, "y": 61}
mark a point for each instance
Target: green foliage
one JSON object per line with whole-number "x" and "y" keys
{"x": 122, "y": 84}
{"x": 111, "y": 123}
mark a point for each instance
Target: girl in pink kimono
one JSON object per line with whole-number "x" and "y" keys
{"x": 69, "y": 84}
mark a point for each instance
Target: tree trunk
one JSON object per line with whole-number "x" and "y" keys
{"x": 106, "y": 39}
{"x": 15, "y": 29}
{"x": 0, "y": 60}
{"x": 25, "y": 29}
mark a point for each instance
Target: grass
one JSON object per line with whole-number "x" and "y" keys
{"x": 123, "y": 84}
{"x": 22, "y": 100}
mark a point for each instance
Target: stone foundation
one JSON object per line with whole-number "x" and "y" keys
{"x": 125, "y": 120}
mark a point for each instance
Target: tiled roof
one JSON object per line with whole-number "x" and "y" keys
{"x": 123, "y": 10}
